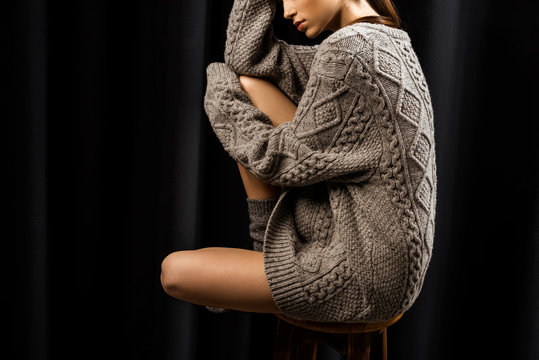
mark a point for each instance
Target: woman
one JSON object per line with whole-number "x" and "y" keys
{"x": 335, "y": 147}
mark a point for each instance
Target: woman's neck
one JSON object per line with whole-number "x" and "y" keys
{"x": 351, "y": 11}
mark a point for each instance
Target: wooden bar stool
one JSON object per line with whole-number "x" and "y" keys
{"x": 299, "y": 339}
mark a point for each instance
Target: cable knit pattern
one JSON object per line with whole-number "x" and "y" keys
{"x": 350, "y": 237}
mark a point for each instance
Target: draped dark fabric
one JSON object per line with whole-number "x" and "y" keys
{"x": 112, "y": 165}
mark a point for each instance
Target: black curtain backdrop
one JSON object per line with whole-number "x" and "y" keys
{"x": 113, "y": 165}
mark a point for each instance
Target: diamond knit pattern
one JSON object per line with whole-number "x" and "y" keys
{"x": 350, "y": 238}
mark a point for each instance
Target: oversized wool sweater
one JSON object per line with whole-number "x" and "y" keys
{"x": 351, "y": 235}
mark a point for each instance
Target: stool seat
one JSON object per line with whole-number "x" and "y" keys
{"x": 299, "y": 339}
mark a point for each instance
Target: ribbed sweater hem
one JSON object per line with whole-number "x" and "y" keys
{"x": 279, "y": 265}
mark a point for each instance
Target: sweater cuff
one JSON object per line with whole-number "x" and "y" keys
{"x": 261, "y": 207}
{"x": 220, "y": 71}
{"x": 259, "y": 213}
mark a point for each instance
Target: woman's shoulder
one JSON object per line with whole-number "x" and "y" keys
{"x": 362, "y": 38}
{"x": 363, "y": 42}
{"x": 367, "y": 31}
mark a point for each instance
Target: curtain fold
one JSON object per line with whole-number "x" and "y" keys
{"x": 113, "y": 165}
{"x": 26, "y": 253}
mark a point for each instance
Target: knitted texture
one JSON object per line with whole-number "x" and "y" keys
{"x": 351, "y": 235}
{"x": 259, "y": 213}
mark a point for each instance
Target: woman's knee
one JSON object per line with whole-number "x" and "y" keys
{"x": 173, "y": 268}
{"x": 247, "y": 82}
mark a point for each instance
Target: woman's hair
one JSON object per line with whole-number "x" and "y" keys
{"x": 388, "y": 12}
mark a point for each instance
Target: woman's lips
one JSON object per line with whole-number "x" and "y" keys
{"x": 300, "y": 25}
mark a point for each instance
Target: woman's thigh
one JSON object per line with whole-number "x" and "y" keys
{"x": 269, "y": 99}
{"x": 224, "y": 277}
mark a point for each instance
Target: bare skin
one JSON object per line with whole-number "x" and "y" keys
{"x": 219, "y": 277}
{"x": 320, "y": 15}
{"x": 224, "y": 277}
{"x": 235, "y": 278}
{"x": 273, "y": 102}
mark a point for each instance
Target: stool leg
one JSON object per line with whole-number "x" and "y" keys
{"x": 377, "y": 345}
{"x": 306, "y": 350}
{"x": 359, "y": 346}
{"x": 305, "y": 343}
{"x": 283, "y": 341}
{"x": 384, "y": 347}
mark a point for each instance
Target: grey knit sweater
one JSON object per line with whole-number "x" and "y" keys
{"x": 351, "y": 236}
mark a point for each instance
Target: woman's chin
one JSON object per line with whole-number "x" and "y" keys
{"x": 310, "y": 34}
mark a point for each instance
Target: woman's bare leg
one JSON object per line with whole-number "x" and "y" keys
{"x": 222, "y": 277}
{"x": 269, "y": 99}
{"x": 256, "y": 188}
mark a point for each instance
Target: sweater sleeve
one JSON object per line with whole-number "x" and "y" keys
{"x": 297, "y": 153}
{"x": 252, "y": 49}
